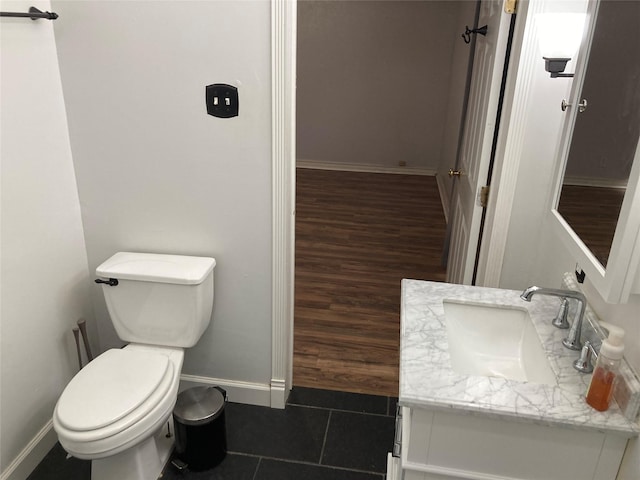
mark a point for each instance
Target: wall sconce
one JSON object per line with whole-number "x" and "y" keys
{"x": 555, "y": 67}
{"x": 559, "y": 37}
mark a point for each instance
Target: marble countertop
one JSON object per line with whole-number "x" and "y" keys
{"x": 427, "y": 379}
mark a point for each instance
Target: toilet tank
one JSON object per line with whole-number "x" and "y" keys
{"x": 159, "y": 299}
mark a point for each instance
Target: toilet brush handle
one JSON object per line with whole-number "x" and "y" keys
{"x": 82, "y": 324}
{"x": 76, "y": 334}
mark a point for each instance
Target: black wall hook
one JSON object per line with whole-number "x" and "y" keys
{"x": 467, "y": 33}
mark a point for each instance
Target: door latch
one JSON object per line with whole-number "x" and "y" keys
{"x": 582, "y": 106}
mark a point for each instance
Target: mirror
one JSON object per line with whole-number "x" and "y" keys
{"x": 605, "y": 134}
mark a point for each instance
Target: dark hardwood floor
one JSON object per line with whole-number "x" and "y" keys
{"x": 357, "y": 236}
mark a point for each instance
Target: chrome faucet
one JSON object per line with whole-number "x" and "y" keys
{"x": 583, "y": 363}
{"x": 573, "y": 338}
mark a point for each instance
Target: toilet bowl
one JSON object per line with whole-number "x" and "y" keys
{"x": 114, "y": 410}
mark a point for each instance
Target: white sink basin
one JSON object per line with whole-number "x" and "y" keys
{"x": 495, "y": 341}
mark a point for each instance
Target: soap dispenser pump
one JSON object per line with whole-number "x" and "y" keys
{"x": 606, "y": 371}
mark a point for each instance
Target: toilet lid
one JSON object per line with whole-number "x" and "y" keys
{"x": 94, "y": 398}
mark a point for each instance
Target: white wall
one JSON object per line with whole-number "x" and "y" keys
{"x": 157, "y": 174}
{"x": 535, "y": 177}
{"x": 43, "y": 259}
{"x": 373, "y": 81}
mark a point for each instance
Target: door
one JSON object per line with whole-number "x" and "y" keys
{"x": 475, "y": 151}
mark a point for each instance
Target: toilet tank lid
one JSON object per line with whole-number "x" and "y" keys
{"x": 153, "y": 267}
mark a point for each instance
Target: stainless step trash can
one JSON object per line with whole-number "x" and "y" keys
{"x": 199, "y": 421}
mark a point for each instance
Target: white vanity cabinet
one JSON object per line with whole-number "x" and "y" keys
{"x": 447, "y": 445}
{"x": 453, "y": 425}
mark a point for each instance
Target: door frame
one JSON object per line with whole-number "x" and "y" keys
{"x": 518, "y": 101}
{"x": 283, "y": 178}
{"x": 283, "y": 94}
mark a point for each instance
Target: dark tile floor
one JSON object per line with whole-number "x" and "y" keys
{"x": 320, "y": 435}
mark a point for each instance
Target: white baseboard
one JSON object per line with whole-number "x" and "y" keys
{"x": 238, "y": 392}
{"x": 279, "y": 393}
{"x": 31, "y": 455}
{"x": 344, "y": 167}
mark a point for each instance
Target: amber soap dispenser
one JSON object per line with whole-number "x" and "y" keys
{"x": 606, "y": 371}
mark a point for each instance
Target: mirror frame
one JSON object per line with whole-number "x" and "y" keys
{"x": 619, "y": 279}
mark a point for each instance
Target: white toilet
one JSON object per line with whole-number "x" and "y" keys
{"x": 114, "y": 410}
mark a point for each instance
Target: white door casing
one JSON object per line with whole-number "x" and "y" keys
{"x": 283, "y": 128}
{"x": 475, "y": 152}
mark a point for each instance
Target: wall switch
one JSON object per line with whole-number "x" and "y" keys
{"x": 222, "y": 100}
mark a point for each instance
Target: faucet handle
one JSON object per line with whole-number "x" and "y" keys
{"x": 561, "y": 318}
{"x": 583, "y": 363}
{"x": 572, "y": 342}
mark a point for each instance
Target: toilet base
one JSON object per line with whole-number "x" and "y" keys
{"x": 144, "y": 461}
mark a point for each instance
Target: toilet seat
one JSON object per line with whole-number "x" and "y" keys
{"x": 93, "y": 398}
{"x": 116, "y": 399}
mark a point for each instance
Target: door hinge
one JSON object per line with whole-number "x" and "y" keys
{"x": 510, "y": 6}
{"x": 484, "y": 196}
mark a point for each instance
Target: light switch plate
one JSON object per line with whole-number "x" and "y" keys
{"x": 222, "y": 100}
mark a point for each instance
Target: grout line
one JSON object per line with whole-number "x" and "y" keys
{"x": 324, "y": 441}
{"x": 255, "y": 473}
{"x": 303, "y": 462}
{"x": 340, "y": 409}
